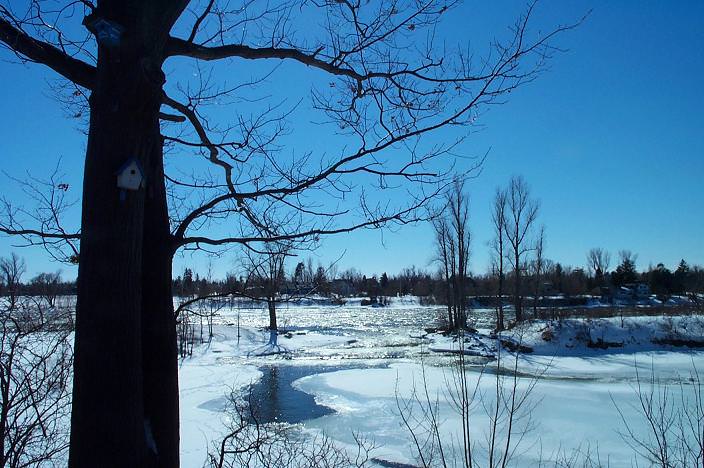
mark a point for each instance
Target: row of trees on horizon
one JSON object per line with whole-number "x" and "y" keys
{"x": 557, "y": 279}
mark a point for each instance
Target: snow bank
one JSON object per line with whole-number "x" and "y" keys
{"x": 627, "y": 334}
{"x": 206, "y": 382}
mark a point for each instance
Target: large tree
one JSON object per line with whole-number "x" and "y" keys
{"x": 598, "y": 261}
{"x": 520, "y": 216}
{"x": 265, "y": 278}
{"x": 381, "y": 82}
{"x": 452, "y": 243}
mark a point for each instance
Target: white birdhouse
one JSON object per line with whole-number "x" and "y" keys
{"x": 130, "y": 176}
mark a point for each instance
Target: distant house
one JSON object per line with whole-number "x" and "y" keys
{"x": 639, "y": 289}
{"x": 633, "y": 291}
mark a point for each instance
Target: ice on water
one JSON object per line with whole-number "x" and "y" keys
{"x": 383, "y": 352}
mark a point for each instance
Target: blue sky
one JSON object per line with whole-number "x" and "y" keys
{"x": 610, "y": 139}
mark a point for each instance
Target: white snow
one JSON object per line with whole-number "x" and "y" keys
{"x": 206, "y": 381}
{"x": 574, "y": 406}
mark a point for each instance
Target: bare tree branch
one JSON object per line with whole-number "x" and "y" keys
{"x": 38, "y": 51}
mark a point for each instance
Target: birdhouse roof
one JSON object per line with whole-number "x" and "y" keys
{"x": 128, "y": 163}
{"x": 98, "y": 22}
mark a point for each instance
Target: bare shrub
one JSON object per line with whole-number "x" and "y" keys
{"x": 35, "y": 370}
{"x": 580, "y": 457}
{"x": 670, "y": 429}
{"x": 252, "y": 443}
{"x": 507, "y": 405}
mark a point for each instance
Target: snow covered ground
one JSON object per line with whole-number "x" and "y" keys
{"x": 379, "y": 354}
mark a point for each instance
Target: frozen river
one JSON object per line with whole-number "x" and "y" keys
{"x": 347, "y": 368}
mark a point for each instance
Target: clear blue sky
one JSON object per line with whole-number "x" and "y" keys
{"x": 610, "y": 139}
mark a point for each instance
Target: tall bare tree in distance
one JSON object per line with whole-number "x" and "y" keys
{"x": 537, "y": 267}
{"x": 498, "y": 220}
{"x": 452, "y": 235}
{"x": 11, "y": 270}
{"x": 458, "y": 204}
{"x": 265, "y": 277}
{"x": 521, "y": 214}
{"x": 381, "y": 83}
{"x": 445, "y": 251}
{"x": 598, "y": 262}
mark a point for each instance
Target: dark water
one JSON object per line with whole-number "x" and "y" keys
{"x": 275, "y": 400}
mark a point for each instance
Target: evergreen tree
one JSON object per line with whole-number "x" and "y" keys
{"x": 660, "y": 280}
{"x": 384, "y": 282}
{"x": 680, "y": 279}
{"x": 626, "y": 271}
{"x": 187, "y": 282}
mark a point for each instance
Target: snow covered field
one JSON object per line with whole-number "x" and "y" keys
{"x": 371, "y": 359}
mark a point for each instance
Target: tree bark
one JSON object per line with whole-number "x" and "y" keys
{"x": 107, "y": 424}
{"x": 273, "y": 328}
{"x": 272, "y": 315}
{"x": 500, "y": 318}
{"x": 517, "y": 298}
{"x": 159, "y": 346}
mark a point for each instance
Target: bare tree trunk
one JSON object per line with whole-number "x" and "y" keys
{"x": 536, "y": 294}
{"x": 517, "y": 298}
{"x": 159, "y": 348}
{"x": 499, "y": 221}
{"x": 108, "y": 354}
{"x": 273, "y": 328}
{"x": 448, "y": 299}
{"x": 272, "y": 315}
{"x": 500, "y": 319}
{"x": 452, "y": 239}
{"x": 538, "y": 268}
{"x": 459, "y": 204}
{"x": 108, "y": 424}
{"x": 441, "y": 238}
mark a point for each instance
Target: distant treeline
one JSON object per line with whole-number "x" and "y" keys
{"x": 555, "y": 280}
{"x": 46, "y": 285}
{"x": 305, "y": 280}
{"x": 41, "y": 285}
